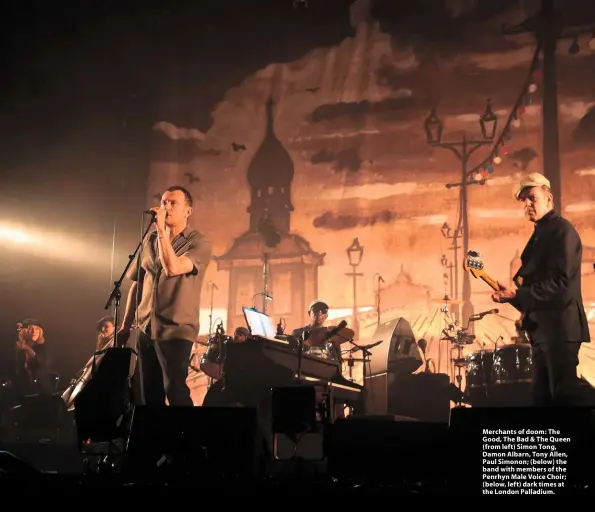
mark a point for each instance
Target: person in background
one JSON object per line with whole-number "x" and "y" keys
{"x": 105, "y": 333}
{"x": 33, "y": 362}
{"x": 241, "y": 334}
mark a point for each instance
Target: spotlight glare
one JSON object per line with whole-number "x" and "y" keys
{"x": 14, "y": 235}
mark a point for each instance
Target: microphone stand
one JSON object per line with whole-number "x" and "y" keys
{"x": 366, "y": 357}
{"x": 298, "y": 375}
{"x": 265, "y": 280}
{"x": 116, "y": 294}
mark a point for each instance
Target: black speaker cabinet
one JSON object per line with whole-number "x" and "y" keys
{"x": 385, "y": 449}
{"x": 102, "y": 406}
{"x": 209, "y": 442}
{"x": 397, "y": 355}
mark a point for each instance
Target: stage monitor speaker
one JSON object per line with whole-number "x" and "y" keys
{"x": 13, "y": 466}
{"x": 424, "y": 396}
{"x": 398, "y": 354}
{"x": 208, "y": 442}
{"x": 102, "y": 407}
{"x": 387, "y": 449}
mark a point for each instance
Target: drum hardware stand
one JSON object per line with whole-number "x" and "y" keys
{"x": 213, "y": 287}
{"x": 460, "y": 338}
{"x": 458, "y": 362}
{"x": 350, "y": 363}
{"x": 366, "y": 359}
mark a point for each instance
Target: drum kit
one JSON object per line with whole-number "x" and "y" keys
{"x": 499, "y": 377}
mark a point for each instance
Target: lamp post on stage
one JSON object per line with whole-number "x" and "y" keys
{"x": 355, "y": 252}
{"x": 463, "y": 149}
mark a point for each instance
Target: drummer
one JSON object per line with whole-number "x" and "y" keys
{"x": 314, "y": 334}
{"x": 318, "y": 313}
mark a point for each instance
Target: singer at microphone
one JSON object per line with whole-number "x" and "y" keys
{"x": 170, "y": 271}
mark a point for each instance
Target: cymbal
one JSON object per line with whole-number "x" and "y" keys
{"x": 445, "y": 299}
{"x": 319, "y": 336}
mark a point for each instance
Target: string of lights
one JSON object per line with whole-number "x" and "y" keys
{"x": 481, "y": 172}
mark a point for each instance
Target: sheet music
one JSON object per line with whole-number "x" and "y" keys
{"x": 259, "y": 323}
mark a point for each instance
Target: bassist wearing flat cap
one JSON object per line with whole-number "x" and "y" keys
{"x": 549, "y": 296}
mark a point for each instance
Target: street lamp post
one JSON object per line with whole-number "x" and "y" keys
{"x": 549, "y": 25}
{"x": 355, "y": 252}
{"x": 463, "y": 150}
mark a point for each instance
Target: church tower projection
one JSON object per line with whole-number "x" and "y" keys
{"x": 271, "y": 268}
{"x": 270, "y": 175}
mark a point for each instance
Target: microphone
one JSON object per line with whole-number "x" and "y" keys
{"x": 150, "y": 212}
{"x": 479, "y": 316}
{"x": 341, "y": 326}
{"x": 280, "y": 329}
{"x": 365, "y": 347}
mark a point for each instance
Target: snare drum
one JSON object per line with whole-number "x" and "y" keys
{"x": 327, "y": 351}
{"x": 211, "y": 362}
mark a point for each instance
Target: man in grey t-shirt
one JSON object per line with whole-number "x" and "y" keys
{"x": 167, "y": 279}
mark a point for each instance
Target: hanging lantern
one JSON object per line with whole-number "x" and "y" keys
{"x": 434, "y": 128}
{"x": 488, "y": 122}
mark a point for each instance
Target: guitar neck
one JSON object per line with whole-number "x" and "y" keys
{"x": 492, "y": 283}
{"x": 495, "y": 285}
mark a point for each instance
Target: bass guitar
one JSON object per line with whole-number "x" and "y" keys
{"x": 474, "y": 264}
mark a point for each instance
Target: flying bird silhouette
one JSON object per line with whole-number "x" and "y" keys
{"x": 238, "y": 147}
{"x": 192, "y": 178}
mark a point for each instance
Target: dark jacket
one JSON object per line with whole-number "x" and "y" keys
{"x": 549, "y": 283}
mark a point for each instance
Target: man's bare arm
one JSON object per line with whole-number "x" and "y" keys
{"x": 173, "y": 265}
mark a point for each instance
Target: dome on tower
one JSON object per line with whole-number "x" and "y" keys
{"x": 271, "y": 166}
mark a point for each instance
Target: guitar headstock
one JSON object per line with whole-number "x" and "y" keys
{"x": 473, "y": 263}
